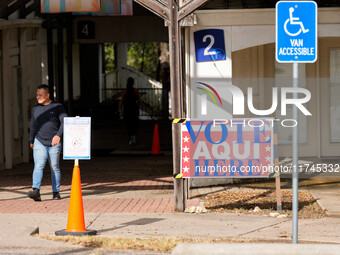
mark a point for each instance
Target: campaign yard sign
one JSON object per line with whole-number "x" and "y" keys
{"x": 241, "y": 148}
{"x": 77, "y": 138}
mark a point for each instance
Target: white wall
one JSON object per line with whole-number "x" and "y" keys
{"x": 21, "y": 67}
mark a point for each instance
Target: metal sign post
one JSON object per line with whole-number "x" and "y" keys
{"x": 296, "y": 42}
{"x": 295, "y": 181}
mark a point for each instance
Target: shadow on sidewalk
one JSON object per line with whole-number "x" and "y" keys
{"x": 139, "y": 222}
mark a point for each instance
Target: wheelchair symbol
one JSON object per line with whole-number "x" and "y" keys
{"x": 294, "y": 21}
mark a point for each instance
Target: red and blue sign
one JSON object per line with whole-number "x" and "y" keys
{"x": 236, "y": 149}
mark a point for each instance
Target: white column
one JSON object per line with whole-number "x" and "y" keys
{"x": 25, "y": 123}
{"x": 7, "y": 95}
{"x": 214, "y": 73}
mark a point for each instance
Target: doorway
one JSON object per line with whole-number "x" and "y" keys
{"x": 329, "y": 64}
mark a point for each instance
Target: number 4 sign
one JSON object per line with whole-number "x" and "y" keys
{"x": 85, "y": 29}
{"x": 209, "y": 45}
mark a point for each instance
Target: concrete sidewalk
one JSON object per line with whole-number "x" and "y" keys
{"x": 328, "y": 199}
{"x": 17, "y": 227}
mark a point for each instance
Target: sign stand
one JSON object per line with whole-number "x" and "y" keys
{"x": 77, "y": 132}
{"x": 186, "y": 155}
{"x": 278, "y": 193}
{"x": 277, "y": 174}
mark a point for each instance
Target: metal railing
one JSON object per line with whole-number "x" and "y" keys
{"x": 154, "y": 98}
{"x": 117, "y": 79}
{"x": 151, "y": 101}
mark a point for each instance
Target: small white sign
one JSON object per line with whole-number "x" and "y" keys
{"x": 77, "y": 138}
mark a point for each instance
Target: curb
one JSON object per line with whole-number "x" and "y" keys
{"x": 256, "y": 249}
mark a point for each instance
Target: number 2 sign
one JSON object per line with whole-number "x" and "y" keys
{"x": 209, "y": 45}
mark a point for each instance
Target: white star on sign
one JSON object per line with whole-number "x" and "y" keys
{"x": 268, "y": 158}
{"x": 186, "y": 139}
{"x": 267, "y": 148}
{"x": 186, "y": 159}
{"x": 186, "y": 169}
{"x": 186, "y": 149}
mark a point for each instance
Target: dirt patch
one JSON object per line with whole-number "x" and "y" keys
{"x": 262, "y": 202}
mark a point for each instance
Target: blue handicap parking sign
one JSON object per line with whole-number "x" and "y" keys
{"x": 209, "y": 45}
{"x": 296, "y": 31}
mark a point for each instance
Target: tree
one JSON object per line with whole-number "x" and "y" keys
{"x": 109, "y": 57}
{"x": 145, "y": 58}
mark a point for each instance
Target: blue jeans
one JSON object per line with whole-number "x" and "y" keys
{"x": 40, "y": 154}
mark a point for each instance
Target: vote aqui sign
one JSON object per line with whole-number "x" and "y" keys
{"x": 237, "y": 148}
{"x": 296, "y": 31}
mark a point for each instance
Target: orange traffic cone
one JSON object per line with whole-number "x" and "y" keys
{"x": 76, "y": 220}
{"x": 155, "y": 143}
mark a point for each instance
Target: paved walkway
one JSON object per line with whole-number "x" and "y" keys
{"x": 103, "y": 191}
{"x": 121, "y": 184}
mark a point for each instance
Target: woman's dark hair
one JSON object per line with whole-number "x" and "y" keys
{"x": 129, "y": 85}
{"x": 130, "y": 82}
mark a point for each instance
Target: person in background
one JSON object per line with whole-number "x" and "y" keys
{"x": 46, "y": 130}
{"x": 130, "y": 102}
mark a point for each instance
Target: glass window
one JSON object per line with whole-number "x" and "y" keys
{"x": 283, "y": 78}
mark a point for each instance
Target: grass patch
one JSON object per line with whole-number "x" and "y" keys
{"x": 245, "y": 201}
{"x": 152, "y": 244}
